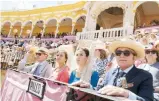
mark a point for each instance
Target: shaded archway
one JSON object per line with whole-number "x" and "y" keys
{"x": 80, "y": 23}
{"x": 65, "y": 26}
{"x": 16, "y": 29}
{"x": 110, "y": 17}
{"x": 26, "y": 29}
{"x": 147, "y": 14}
{"x": 38, "y": 28}
{"x": 50, "y": 28}
{"x": 5, "y": 29}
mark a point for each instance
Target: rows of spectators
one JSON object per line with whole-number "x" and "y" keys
{"x": 127, "y": 67}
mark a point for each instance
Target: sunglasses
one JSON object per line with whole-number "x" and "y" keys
{"x": 126, "y": 52}
{"x": 152, "y": 52}
{"x": 39, "y": 54}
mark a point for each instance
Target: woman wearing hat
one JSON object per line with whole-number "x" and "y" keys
{"x": 83, "y": 72}
{"x": 152, "y": 66}
{"x": 61, "y": 70}
{"x": 100, "y": 61}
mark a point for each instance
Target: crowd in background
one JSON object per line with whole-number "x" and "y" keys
{"x": 91, "y": 66}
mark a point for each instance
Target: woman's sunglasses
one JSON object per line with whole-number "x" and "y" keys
{"x": 149, "y": 51}
{"x": 125, "y": 53}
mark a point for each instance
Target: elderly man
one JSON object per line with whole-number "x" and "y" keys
{"x": 126, "y": 80}
{"x": 41, "y": 67}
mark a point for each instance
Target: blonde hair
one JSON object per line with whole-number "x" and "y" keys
{"x": 103, "y": 54}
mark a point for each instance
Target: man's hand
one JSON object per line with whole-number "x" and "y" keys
{"x": 114, "y": 91}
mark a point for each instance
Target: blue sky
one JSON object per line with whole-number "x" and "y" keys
{"x": 7, "y": 5}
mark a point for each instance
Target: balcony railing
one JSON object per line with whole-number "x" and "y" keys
{"x": 105, "y": 35}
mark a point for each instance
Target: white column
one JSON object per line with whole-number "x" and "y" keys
{"x": 90, "y": 23}
{"x": 43, "y": 31}
{"x": 32, "y": 28}
{"x": 21, "y": 31}
{"x": 10, "y": 30}
{"x": 128, "y": 21}
{"x": 73, "y": 26}
{"x": 57, "y": 26}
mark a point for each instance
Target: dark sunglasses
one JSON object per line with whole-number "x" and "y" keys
{"x": 126, "y": 52}
{"x": 152, "y": 52}
{"x": 39, "y": 54}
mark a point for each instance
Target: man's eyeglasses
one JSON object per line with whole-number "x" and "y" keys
{"x": 39, "y": 54}
{"x": 149, "y": 51}
{"x": 126, "y": 53}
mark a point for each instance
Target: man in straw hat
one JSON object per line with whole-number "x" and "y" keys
{"x": 41, "y": 67}
{"x": 126, "y": 80}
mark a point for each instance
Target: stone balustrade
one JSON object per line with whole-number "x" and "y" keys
{"x": 105, "y": 34}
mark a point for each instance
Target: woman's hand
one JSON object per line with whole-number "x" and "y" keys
{"x": 81, "y": 84}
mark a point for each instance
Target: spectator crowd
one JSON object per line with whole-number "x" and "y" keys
{"x": 127, "y": 68}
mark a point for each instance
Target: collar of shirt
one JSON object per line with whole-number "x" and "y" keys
{"x": 128, "y": 69}
{"x": 41, "y": 63}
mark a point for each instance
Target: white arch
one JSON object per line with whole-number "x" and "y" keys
{"x": 26, "y": 22}
{"x": 34, "y": 23}
{"x": 98, "y": 7}
{"x": 79, "y": 17}
{"x": 17, "y": 22}
{"x": 6, "y": 22}
{"x": 141, "y": 2}
{"x": 48, "y": 20}
{"x": 65, "y": 18}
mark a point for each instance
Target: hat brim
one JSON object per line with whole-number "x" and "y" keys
{"x": 137, "y": 47}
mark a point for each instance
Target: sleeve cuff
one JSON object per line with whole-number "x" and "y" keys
{"x": 132, "y": 96}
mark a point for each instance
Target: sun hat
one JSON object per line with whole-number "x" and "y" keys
{"x": 128, "y": 43}
{"x": 43, "y": 50}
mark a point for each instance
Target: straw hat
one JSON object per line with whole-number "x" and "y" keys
{"x": 44, "y": 50}
{"x": 128, "y": 43}
{"x": 98, "y": 45}
{"x": 32, "y": 55}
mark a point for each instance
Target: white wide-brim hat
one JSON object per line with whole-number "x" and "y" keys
{"x": 128, "y": 43}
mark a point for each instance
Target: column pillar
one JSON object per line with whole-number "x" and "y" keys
{"x": 43, "y": 31}
{"x": 10, "y": 30}
{"x": 73, "y": 27}
{"x": 57, "y": 27}
{"x": 90, "y": 23}
{"x": 128, "y": 21}
{"x": 21, "y": 31}
{"x": 32, "y": 28}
